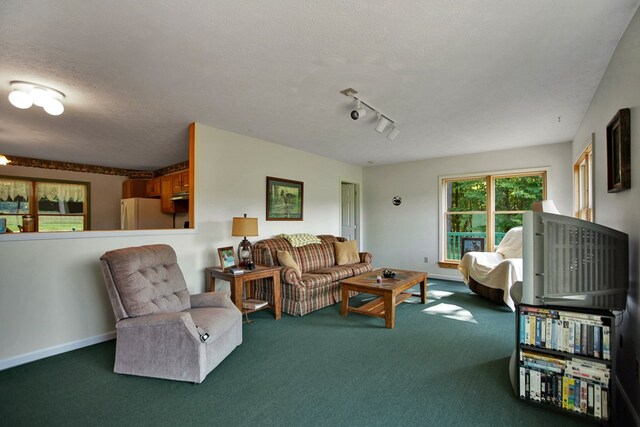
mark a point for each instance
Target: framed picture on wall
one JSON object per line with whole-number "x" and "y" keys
{"x": 471, "y": 244}
{"x": 227, "y": 258}
{"x": 285, "y": 199}
{"x": 619, "y": 152}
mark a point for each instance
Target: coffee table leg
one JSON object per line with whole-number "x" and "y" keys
{"x": 390, "y": 310}
{"x": 345, "y": 301}
{"x": 423, "y": 291}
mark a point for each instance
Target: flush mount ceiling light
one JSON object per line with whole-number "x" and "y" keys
{"x": 383, "y": 119}
{"x": 24, "y": 94}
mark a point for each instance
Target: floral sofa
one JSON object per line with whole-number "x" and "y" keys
{"x": 319, "y": 284}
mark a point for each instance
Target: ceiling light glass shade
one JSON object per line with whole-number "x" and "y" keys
{"x": 39, "y": 96}
{"x": 53, "y": 107}
{"x": 392, "y": 135}
{"x": 382, "y": 124}
{"x": 20, "y": 99}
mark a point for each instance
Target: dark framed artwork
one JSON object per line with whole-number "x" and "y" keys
{"x": 285, "y": 199}
{"x": 227, "y": 258}
{"x": 619, "y": 152}
{"x": 471, "y": 244}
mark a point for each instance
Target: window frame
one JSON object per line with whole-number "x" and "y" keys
{"x": 583, "y": 184}
{"x": 490, "y": 211}
{"x": 33, "y": 206}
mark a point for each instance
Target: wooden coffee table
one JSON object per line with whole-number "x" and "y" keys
{"x": 391, "y": 293}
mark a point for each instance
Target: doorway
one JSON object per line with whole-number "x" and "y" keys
{"x": 350, "y": 211}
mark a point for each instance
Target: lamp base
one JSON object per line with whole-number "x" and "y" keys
{"x": 244, "y": 254}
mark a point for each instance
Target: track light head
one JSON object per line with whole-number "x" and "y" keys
{"x": 393, "y": 133}
{"x": 358, "y": 112}
{"x": 382, "y": 123}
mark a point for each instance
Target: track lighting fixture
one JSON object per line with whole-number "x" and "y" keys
{"x": 360, "y": 111}
{"x": 23, "y": 95}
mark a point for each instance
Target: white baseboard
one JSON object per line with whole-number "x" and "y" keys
{"x": 442, "y": 277}
{"x": 56, "y": 349}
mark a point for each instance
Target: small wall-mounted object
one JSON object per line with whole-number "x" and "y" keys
{"x": 397, "y": 200}
{"x": 619, "y": 152}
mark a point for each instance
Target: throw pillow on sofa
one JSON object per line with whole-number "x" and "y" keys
{"x": 346, "y": 252}
{"x": 285, "y": 258}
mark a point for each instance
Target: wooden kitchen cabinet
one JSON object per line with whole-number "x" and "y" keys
{"x": 134, "y": 188}
{"x": 153, "y": 187}
{"x": 185, "y": 180}
{"x": 180, "y": 181}
{"x": 166, "y": 193}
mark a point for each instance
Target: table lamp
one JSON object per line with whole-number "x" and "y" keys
{"x": 243, "y": 226}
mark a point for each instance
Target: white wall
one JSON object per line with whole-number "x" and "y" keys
{"x": 401, "y": 236}
{"x": 620, "y": 88}
{"x": 236, "y": 184}
{"x": 52, "y": 295}
{"x": 106, "y": 191}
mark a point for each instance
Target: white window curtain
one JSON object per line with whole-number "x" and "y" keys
{"x": 10, "y": 189}
{"x": 60, "y": 192}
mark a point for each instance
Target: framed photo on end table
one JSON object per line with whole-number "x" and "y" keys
{"x": 227, "y": 258}
{"x": 471, "y": 244}
{"x": 285, "y": 199}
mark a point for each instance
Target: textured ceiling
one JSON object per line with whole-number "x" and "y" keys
{"x": 458, "y": 77}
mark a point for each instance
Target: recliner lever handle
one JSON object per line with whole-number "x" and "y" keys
{"x": 204, "y": 336}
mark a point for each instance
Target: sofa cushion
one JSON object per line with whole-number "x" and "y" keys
{"x": 313, "y": 257}
{"x": 285, "y": 259}
{"x": 337, "y": 272}
{"x": 360, "y": 268}
{"x": 346, "y": 252}
{"x": 310, "y": 280}
{"x": 265, "y": 251}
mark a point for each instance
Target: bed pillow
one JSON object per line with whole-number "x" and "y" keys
{"x": 346, "y": 252}
{"x": 285, "y": 258}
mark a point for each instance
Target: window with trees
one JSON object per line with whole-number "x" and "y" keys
{"x": 485, "y": 206}
{"x": 582, "y": 177}
{"x": 54, "y": 205}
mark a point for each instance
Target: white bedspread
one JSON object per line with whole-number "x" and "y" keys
{"x": 492, "y": 270}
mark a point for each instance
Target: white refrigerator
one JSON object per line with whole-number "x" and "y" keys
{"x": 143, "y": 214}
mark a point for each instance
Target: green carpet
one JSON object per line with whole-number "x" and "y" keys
{"x": 445, "y": 363}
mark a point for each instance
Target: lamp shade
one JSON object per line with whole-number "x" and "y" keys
{"x": 244, "y": 227}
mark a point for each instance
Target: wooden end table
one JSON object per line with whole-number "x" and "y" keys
{"x": 391, "y": 292}
{"x": 237, "y": 283}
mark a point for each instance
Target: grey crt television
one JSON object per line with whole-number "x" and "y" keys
{"x": 574, "y": 263}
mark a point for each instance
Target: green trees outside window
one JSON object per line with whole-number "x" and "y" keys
{"x": 487, "y": 207}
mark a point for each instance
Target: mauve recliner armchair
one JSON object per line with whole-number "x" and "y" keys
{"x": 162, "y": 329}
